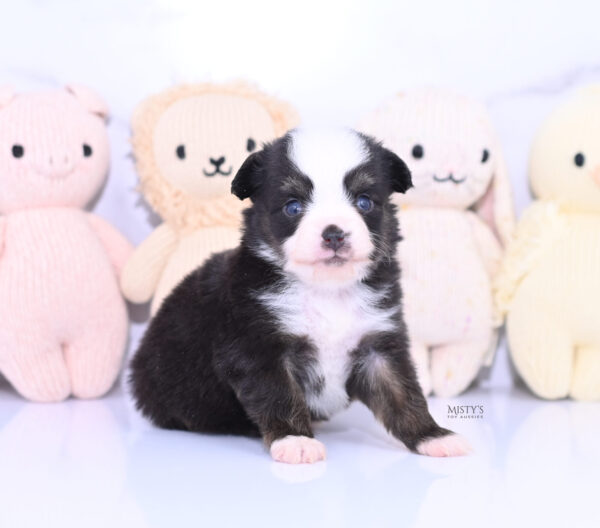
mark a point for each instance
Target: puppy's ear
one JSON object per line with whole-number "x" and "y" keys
{"x": 249, "y": 176}
{"x": 398, "y": 171}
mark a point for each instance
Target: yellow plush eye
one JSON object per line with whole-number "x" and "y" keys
{"x": 579, "y": 159}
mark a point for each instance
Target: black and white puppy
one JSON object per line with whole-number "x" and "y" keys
{"x": 303, "y": 317}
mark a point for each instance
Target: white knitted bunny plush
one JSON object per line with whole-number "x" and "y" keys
{"x": 454, "y": 223}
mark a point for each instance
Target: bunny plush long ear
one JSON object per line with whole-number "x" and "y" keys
{"x": 7, "y": 94}
{"x": 496, "y": 206}
{"x": 89, "y": 99}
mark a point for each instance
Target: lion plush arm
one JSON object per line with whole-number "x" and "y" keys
{"x": 539, "y": 228}
{"x": 143, "y": 270}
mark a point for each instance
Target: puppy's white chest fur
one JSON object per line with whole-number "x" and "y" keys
{"x": 334, "y": 321}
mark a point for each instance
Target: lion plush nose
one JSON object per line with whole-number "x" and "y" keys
{"x": 217, "y": 162}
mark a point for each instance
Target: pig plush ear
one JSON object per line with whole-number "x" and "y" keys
{"x": 7, "y": 93}
{"x": 89, "y": 99}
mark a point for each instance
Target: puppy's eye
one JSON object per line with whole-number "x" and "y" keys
{"x": 180, "y": 151}
{"x": 364, "y": 203}
{"x": 87, "y": 150}
{"x": 18, "y": 151}
{"x": 418, "y": 152}
{"x": 579, "y": 159}
{"x": 485, "y": 156}
{"x": 250, "y": 145}
{"x": 292, "y": 208}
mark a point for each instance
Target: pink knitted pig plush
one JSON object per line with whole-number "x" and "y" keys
{"x": 63, "y": 322}
{"x": 454, "y": 223}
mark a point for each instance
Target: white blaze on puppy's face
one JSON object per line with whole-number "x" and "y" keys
{"x": 326, "y": 158}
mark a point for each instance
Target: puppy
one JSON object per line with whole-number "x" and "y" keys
{"x": 303, "y": 317}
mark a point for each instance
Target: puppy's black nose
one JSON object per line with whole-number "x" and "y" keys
{"x": 333, "y": 237}
{"x": 217, "y": 162}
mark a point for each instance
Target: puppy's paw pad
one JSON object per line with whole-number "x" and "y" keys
{"x": 297, "y": 450}
{"x": 445, "y": 446}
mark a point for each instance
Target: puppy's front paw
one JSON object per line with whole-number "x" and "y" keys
{"x": 445, "y": 446}
{"x": 297, "y": 450}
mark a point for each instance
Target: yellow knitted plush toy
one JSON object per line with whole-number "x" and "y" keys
{"x": 188, "y": 143}
{"x": 549, "y": 284}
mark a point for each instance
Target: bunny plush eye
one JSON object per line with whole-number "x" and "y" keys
{"x": 417, "y": 152}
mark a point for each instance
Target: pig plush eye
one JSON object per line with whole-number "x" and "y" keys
{"x": 18, "y": 151}
{"x": 485, "y": 156}
{"x": 87, "y": 150}
{"x": 180, "y": 151}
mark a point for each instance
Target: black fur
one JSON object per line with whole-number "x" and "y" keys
{"x": 215, "y": 360}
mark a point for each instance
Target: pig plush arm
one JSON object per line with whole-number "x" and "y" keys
{"x": 143, "y": 270}
{"x": 117, "y": 246}
{"x": 2, "y": 229}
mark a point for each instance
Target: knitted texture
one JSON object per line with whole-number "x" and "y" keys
{"x": 454, "y": 222}
{"x": 549, "y": 284}
{"x": 63, "y": 323}
{"x": 188, "y": 143}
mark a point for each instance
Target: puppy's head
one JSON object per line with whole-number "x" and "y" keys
{"x": 321, "y": 208}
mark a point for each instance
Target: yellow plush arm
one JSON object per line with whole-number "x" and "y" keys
{"x": 143, "y": 270}
{"x": 540, "y": 227}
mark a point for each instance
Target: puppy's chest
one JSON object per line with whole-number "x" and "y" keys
{"x": 334, "y": 323}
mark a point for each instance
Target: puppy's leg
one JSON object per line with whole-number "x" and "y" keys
{"x": 384, "y": 379}
{"x": 275, "y": 402}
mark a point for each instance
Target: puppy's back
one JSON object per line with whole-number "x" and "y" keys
{"x": 173, "y": 377}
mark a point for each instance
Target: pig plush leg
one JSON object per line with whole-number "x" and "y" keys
{"x": 455, "y": 366}
{"x": 35, "y": 366}
{"x": 94, "y": 357}
{"x": 585, "y": 384}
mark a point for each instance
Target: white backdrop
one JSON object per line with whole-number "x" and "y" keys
{"x": 332, "y": 60}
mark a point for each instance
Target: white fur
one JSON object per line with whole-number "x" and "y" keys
{"x": 329, "y": 205}
{"x": 445, "y": 446}
{"x": 297, "y": 450}
{"x": 335, "y": 320}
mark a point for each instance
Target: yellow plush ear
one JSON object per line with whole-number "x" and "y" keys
{"x": 7, "y": 94}
{"x": 496, "y": 207}
{"x": 89, "y": 99}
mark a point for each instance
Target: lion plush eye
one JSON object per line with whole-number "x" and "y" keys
{"x": 579, "y": 159}
{"x": 250, "y": 145}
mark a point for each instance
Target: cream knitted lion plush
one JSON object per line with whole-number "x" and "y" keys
{"x": 454, "y": 222}
{"x": 188, "y": 143}
{"x": 549, "y": 284}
